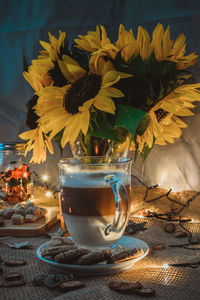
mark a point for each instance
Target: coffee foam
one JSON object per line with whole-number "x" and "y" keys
{"x": 91, "y": 179}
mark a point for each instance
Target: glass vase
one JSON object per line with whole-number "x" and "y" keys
{"x": 87, "y": 145}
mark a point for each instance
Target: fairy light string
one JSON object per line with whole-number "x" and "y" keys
{"x": 171, "y": 216}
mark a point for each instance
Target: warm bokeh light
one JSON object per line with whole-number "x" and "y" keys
{"x": 165, "y": 266}
{"x": 45, "y": 177}
{"x": 48, "y": 194}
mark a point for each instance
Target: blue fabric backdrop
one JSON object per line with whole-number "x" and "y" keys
{"x": 24, "y": 22}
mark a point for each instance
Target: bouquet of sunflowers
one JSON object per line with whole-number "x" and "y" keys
{"x": 131, "y": 93}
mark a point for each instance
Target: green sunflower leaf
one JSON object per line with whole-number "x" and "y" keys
{"x": 128, "y": 117}
{"x": 105, "y": 131}
{"x": 143, "y": 124}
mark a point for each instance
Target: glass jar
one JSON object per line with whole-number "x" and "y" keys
{"x": 15, "y": 176}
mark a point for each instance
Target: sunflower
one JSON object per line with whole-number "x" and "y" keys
{"x": 52, "y": 49}
{"x": 97, "y": 43}
{"x": 38, "y": 74}
{"x": 167, "y": 49}
{"x": 38, "y": 142}
{"x": 126, "y": 43}
{"x": 69, "y": 107}
{"x": 163, "y": 47}
{"x": 164, "y": 122}
{"x": 95, "y": 40}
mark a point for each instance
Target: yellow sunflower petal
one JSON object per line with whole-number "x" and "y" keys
{"x": 110, "y": 78}
{"x": 85, "y": 121}
{"x": 71, "y": 132}
{"x": 68, "y": 75}
{"x": 28, "y": 134}
{"x": 167, "y": 42}
{"x": 111, "y": 92}
{"x": 104, "y": 103}
{"x": 86, "y": 105}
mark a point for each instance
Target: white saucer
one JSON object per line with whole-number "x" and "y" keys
{"x": 99, "y": 269}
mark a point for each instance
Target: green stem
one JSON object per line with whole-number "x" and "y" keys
{"x": 83, "y": 144}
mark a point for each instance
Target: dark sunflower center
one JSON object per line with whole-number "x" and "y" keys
{"x": 81, "y": 90}
{"x": 160, "y": 114}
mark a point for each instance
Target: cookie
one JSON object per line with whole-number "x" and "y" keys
{"x": 54, "y": 243}
{"x": 43, "y": 212}
{"x": 8, "y": 212}
{"x": 125, "y": 287}
{"x": 71, "y": 285}
{"x": 146, "y": 292}
{"x": 30, "y": 218}
{"x": 62, "y": 240}
{"x": 71, "y": 255}
{"x": 20, "y": 211}
{"x": 93, "y": 258}
{"x": 15, "y": 262}
{"x": 18, "y": 206}
{"x": 13, "y": 283}
{"x": 125, "y": 255}
{"x": 169, "y": 228}
{"x": 33, "y": 210}
{"x": 17, "y": 219}
{"x": 158, "y": 247}
{"x": 13, "y": 276}
{"x": 53, "y": 251}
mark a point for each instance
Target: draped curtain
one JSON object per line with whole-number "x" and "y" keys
{"x": 23, "y": 23}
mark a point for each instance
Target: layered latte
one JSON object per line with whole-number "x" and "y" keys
{"x": 88, "y": 207}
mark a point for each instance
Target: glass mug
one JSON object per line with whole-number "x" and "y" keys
{"x": 95, "y": 199}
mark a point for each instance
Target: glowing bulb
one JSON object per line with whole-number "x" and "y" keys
{"x": 172, "y": 188}
{"x": 192, "y": 220}
{"x": 32, "y": 199}
{"x": 140, "y": 216}
{"x": 48, "y": 194}
{"x": 165, "y": 266}
{"x": 44, "y": 177}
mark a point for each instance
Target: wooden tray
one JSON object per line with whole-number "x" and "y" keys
{"x": 31, "y": 229}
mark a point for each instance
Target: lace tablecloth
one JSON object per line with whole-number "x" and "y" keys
{"x": 170, "y": 283}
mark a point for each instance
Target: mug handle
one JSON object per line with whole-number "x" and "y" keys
{"x": 116, "y": 185}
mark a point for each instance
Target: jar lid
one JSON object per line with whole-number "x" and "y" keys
{"x": 18, "y": 146}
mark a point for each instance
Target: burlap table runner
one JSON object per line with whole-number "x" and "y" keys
{"x": 171, "y": 283}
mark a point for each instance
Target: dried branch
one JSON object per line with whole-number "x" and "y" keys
{"x": 171, "y": 216}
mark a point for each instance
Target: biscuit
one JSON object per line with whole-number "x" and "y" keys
{"x": 13, "y": 276}
{"x": 71, "y": 285}
{"x": 125, "y": 287}
{"x": 17, "y": 219}
{"x": 125, "y": 255}
{"x": 13, "y": 283}
{"x": 15, "y": 262}
{"x": 93, "y": 258}
{"x": 71, "y": 255}
{"x": 52, "y": 251}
